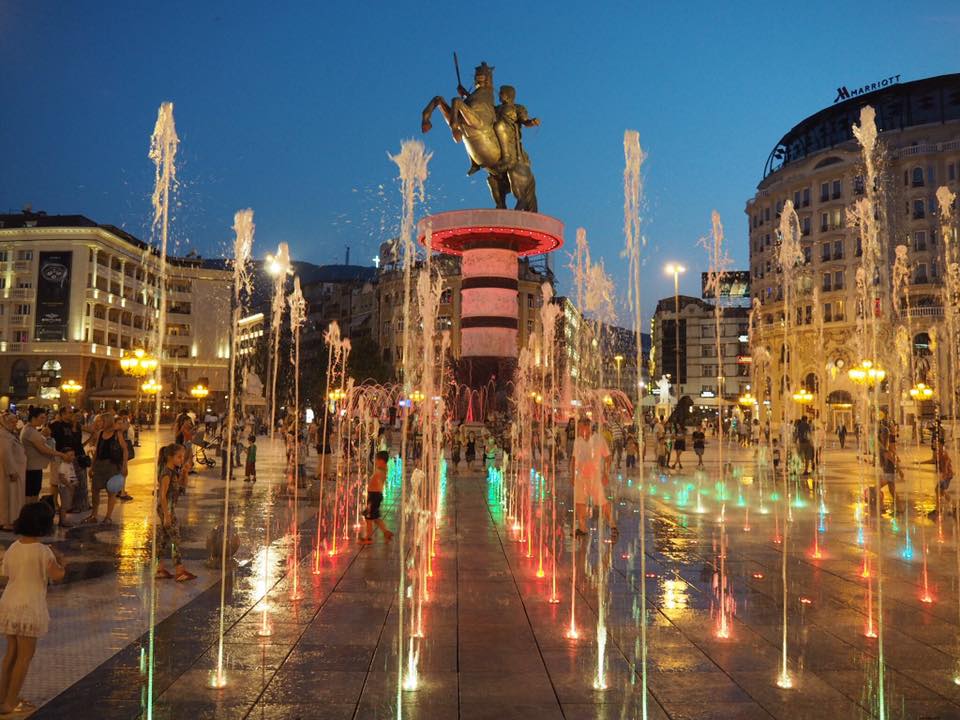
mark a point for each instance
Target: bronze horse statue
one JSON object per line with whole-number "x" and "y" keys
{"x": 491, "y": 136}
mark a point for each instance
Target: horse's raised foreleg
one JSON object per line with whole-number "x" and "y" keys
{"x": 448, "y": 115}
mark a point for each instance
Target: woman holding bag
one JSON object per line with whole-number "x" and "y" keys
{"x": 109, "y": 459}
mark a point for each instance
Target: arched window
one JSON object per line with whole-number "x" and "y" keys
{"x": 921, "y": 344}
{"x": 917, "y": 177}
{"x": 52, "y": 366}
{"x": 811, "y": 383}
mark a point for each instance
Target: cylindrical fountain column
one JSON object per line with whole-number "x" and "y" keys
{"x": 489, "y": 243}
{"x": 488, "y": 303}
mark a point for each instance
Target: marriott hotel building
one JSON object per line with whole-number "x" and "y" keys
{"x": 817, "y": 164}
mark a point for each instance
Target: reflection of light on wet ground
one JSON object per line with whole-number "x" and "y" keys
{"x": 674, "y": 594}
{"x": 134, "y": 543}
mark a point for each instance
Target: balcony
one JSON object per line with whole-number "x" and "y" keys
{"x": 928, "y": 311}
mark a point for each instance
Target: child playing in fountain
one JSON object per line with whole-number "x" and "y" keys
{"x": 375, "y": 497}
{"x": 633, "y": 449}
{"x": 250, "y": 467}
{"x": 945, "y": 503}
{"x": 28, "y": 565}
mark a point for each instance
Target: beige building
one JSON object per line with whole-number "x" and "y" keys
{"x": 75, "y": 297}
{"x": 818, "y": 166}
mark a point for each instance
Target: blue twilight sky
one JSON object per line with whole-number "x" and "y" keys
{"x": 291, "y": 109}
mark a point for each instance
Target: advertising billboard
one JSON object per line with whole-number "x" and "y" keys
{"x": 53, "y": 296}
{"x": 734, "y": 284}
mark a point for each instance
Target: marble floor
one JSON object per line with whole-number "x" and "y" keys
{"x": 494, "y": 645}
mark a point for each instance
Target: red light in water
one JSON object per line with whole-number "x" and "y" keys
{"x": 540, "y": 573}
{"x": 926, "y": 598}
{"x": 651, "y": 575}
{"x": 806, "y": 601}
{"x": 870, "y": 633}
{"x": 758, "y": 576}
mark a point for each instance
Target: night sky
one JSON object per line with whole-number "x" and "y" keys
{"x": 291, "y": 109}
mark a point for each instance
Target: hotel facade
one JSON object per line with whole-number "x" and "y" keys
{"x": 818, "y": 166}
{"x": 76, "y": 297}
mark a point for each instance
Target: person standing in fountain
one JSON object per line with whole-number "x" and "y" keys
{"x": 170, "y": 481}
{"x": 588, "y": 473}
{"x": 371, "y": 513}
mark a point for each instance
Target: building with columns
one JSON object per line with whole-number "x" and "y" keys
{"x": 818, "y": 166}
{"x": 76, "y": 296}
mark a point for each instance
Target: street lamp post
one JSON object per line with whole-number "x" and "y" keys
{"x": 618, "y": 359}
{"x": 200, "y": 392}
{"x": 675, "y": 269}
{"x": 70, "y": 388}
{"x": 139, "y": 365}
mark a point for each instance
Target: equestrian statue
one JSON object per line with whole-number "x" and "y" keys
{"x": 492, "y": 135}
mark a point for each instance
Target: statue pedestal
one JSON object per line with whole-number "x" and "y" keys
{"x": 489, "y": 243}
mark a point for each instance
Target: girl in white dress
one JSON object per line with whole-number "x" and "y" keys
{"x": 28, "y": 565}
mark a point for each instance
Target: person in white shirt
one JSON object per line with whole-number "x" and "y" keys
{"x": 588, "y": 473}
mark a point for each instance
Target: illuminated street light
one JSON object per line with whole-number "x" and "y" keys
{"x": 747, "y": 400}
{"x": 921, "y": 391}
{"x": 417, "y": 396}
{"x": 675, "y": 269}
{"x": 151, "y": 387}
{"x": 71, "y": 388}
{"x": 139, "y": 364}
{"x": 866, "y": 373}
{"x": 803, "y": 396}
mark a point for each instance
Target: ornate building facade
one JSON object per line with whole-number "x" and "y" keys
{"x": 818, "y": 167}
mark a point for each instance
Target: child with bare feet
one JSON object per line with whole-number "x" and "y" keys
{"x": 375, "y": 498}
{"x": 29, "y": 565}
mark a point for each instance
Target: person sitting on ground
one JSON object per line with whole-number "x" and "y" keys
{"x": 375, "y": 485}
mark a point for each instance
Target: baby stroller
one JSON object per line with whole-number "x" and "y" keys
{"x": 200, "y": 448}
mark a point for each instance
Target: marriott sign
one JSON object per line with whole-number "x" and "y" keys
{"x": 844, "y": 94}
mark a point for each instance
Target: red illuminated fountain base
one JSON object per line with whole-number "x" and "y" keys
{"x": 489, "y": 242}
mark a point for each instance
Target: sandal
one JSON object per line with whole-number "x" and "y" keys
{"x": 163, "y": 574}
{"x": 89, "y": 520}
{"x": 185, "y": 576}
{"x": 106, "y": 521}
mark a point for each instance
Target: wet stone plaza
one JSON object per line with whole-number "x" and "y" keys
{"x": 304, "y": 639}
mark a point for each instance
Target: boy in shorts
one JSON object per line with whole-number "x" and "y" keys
{"x": 374, "y": 497}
